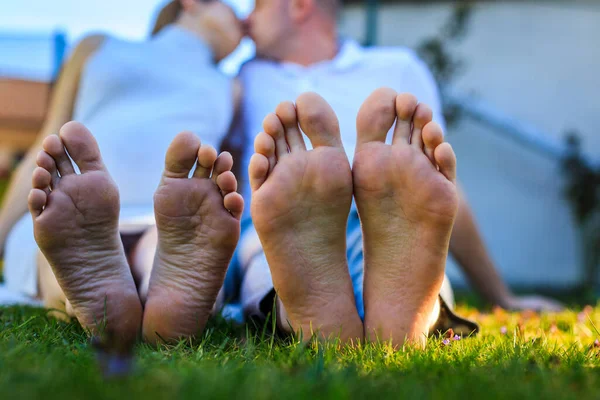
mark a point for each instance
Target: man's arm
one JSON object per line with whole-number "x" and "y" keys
{"x": 60, "y": 112}
{"x": 469, "y": 250}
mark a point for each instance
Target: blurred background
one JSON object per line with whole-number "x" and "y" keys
{"x": 520, "y": 82}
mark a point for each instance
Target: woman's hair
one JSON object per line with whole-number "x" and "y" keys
{"x": 167, "y": 15}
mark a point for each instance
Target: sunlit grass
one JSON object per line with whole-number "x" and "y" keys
{"x": 517, "y": 355}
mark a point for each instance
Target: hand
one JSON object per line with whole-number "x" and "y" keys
{"x": 534, "y": 303}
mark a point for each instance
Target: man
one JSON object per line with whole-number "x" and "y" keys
{"x": 298, "y": 50}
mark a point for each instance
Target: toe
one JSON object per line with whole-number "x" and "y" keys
{"x": 234, "y": 203}
{"x": 223, "y": 164}
{"x": 318, "y": 120}
{"x": 207, "y": 155}
{"x": 227, "y": 182}
{"x": 376, "y": 116}
{"x": 286, "y": 112}
{"x": 406, "y": 106}
{"x": 181, "y": 155}
{"x": 36, "y": 202}
{"x": 265, "y": 145}
{"x": 274, "y": 128}
{"x": 432, "y": 138}
{"x": 258, "y": 170}
{"x": 82, "y": 147}
{"x": 41, "y": 179}
{"x": 446, "y": 160}
{"x": 423, "y": 116}
{"x": 55, "y": 148}
{"x": 44, "y": 160}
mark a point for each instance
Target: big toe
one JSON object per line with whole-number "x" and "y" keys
{"x": 376, "y": 116}
{"x": 318, "y": 120}
{"x": 82, "y": 146}
{"x": 181, "y": 155}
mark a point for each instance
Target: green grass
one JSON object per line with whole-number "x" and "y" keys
{"x": 547, "y": 356}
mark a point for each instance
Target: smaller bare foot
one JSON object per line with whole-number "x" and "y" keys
{"x": 407, "y": 200}
{"x": 76, "y": 218}
{"x": 198, "y": 223}
{"x": 300, "y": 205}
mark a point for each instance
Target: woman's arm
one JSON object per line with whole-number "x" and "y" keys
{"x": 60, "y": 112}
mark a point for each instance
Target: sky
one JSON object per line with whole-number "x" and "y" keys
{"x": 40, "y": 18}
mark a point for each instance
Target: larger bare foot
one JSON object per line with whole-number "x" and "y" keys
{"x": 407, "y": 201}
{"x": 198, "y": 222}
{"x": 300, "y": 205}
{"x": 76, "y": 226}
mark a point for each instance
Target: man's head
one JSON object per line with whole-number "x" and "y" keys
{"x": 277, "y": 25}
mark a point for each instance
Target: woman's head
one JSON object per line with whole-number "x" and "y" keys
{"x": 213, "y": 20}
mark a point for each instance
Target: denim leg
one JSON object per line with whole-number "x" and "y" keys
{"x": 354, "y": 252}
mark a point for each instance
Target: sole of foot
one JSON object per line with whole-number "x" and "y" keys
{"x": 76, "y": 218}
{"x": 407, "y": 201}
{"x": 198, "y": 224}
{"x": 300, "y": 204}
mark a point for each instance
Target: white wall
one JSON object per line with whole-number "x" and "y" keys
{"x": 517, "y": 197}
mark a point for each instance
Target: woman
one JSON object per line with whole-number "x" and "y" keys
{"x": 134, "y": 97}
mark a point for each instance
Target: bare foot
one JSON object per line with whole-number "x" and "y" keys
{"x": 198, "y": 222}
{"x": 407, "y": 200}
{"x": 300, "y": 205}
{"x": 76, "y": 220}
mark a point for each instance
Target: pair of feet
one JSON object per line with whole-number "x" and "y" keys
{"x": 406, "y": 198}
{"x": 76, "y": 225}
{"x": 405, "y": 195}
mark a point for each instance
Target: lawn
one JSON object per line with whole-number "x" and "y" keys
{"x": 517, "y": 356}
